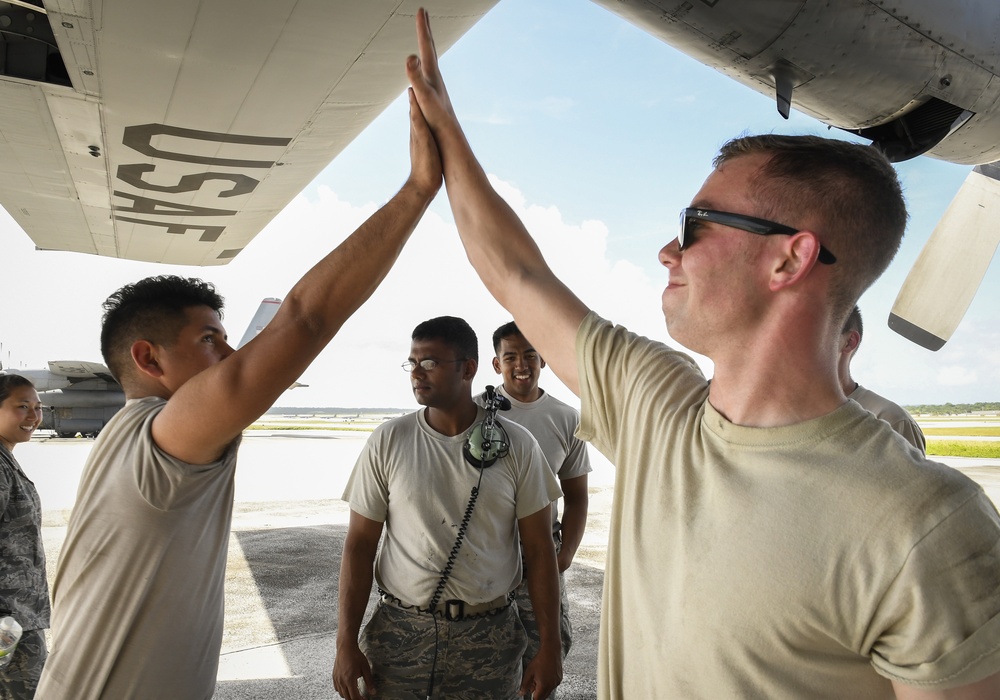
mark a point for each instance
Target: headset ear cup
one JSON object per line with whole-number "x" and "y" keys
{"x": 477, "y": 452}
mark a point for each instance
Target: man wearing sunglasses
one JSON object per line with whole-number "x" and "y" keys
{"x": 769, "y": 537}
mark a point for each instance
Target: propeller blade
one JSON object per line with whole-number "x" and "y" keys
{"x": 942, "y": 283}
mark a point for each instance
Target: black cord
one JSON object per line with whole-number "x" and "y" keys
{"x": 446, "y": 574}
{"x": 494, "y": 402}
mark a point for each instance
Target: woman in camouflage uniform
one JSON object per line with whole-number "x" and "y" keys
{"x": 24, "y": 591}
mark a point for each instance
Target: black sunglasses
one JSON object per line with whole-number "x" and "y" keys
{"x": 751, "y": 224}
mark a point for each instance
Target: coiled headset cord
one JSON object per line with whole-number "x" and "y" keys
{"x": 489, "y": 426}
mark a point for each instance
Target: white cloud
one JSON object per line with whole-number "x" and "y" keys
{"x": 52, "y": 308}
{"x": 955, "y": 375}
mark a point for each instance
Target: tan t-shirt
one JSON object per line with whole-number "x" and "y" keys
{"x": 893, "y": 414}
{"x": 137, "y": 602}
{"x": 416, "y": 481}
{"x": 553, "y": 423}
{"x": 817, "y": 560}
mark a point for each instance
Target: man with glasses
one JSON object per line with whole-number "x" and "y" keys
{"x": 456, "y": 489}
{"x": 769, "y": 538}
{"x": 892, "y": 413}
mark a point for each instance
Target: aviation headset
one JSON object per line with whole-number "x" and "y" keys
{"x": 488, "y": 441}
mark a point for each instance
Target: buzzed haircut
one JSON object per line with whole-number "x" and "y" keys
{"x": 505, "y": 331}
{"x": 152, "y": 309}
{"x": 9, "y": 382}
{"x": 853, "y": 322}
{"x": 452, "y": 330}
{"x": 848, "y": 193}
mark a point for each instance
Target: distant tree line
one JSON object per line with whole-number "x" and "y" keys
{"x": 950, "y": 409}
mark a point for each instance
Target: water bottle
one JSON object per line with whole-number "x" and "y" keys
{"x": 10, "y": 635}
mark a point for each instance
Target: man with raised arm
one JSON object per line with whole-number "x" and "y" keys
{"x": 769, "y": 538}
{"x": 138, "y": 594}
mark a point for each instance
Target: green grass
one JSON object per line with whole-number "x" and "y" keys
{"x": 963, "y": 448}
{"x": 977, "y": 431}
{"x": 299, "y": 426}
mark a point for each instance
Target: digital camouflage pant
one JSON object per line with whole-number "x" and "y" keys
{"x": 477, "y": 659}
{"x": 20, "y": 678}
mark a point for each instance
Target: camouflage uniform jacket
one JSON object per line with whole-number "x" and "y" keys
{"x": 24, "y": 590}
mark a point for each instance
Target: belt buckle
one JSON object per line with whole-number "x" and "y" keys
{"x": 454, "y": 610}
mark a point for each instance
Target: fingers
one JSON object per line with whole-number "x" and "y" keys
{"x": 354, "y": 681}
{"x": 425, "y": 158}
{"x": 425, "y": 45}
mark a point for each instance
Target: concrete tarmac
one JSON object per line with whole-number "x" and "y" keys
{"x": 284, "y": 557}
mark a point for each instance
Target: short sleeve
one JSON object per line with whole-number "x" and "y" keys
{"x": 367, "y": 490}
{"x": 537, "y": 486}
{"x": 938, "y": 624}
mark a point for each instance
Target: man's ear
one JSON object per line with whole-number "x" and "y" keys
{"x": 799, "y": 253}
{"x": 541, "y": 362}
{"x": 849, "y": 342}
{"x": 470, "y": 368}
{"x": 496, "y": 365}
{"x": 144, "y": 358}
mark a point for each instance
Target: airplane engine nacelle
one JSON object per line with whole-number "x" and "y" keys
{"x": 935, "y": 90}
{"x": 81, "y": 398}
{"x": 67, "y": 422}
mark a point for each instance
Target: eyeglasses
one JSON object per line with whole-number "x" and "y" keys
{"x": 751, "y": 224}
{"x": 426, "y": 365}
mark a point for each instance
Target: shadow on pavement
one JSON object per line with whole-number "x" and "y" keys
{"x": 281, "y": 616}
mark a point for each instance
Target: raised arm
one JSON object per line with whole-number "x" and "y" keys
{"x": 211, "y": 409}
{"x": 498, "y": 245}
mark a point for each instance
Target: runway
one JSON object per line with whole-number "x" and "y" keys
{"x": 284, "y": 557}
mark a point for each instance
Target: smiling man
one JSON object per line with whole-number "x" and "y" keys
{"x": 453, "y": 513}
{"x": 553, "y": 424}
{"x": 769, "y": 538}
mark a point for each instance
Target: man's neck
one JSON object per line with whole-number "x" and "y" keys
{"x": 452, "y": 420}
{"x": 780, "y": 381}
{"x": 533, "y": 396}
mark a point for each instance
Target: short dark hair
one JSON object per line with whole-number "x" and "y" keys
{"x": 850, "y": 192}
{"x": 452, "y": 330}
{"x": 853, "y": 322}
{"x": 9, "y": 382}
{"x": 505, "y": 331}
{"x": 152, "y": 309}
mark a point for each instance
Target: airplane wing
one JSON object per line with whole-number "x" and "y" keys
{"x": 914, "y": 77}
{"x": 173, "y": 132}
{"x": 70, "y": 374}
{"x": 943, "y": 281}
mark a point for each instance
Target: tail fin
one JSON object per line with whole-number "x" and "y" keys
{"x": 265, "y": 312}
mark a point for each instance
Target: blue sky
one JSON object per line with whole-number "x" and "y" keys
{"x": 598, "y": 134}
